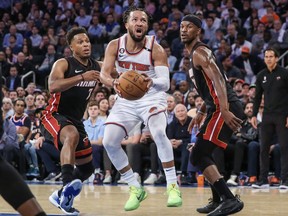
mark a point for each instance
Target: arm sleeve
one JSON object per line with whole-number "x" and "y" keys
{"x": 162, "y": 82}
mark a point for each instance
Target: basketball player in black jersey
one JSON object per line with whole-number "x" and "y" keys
{"x": 224, "y": 114}
{"x": 13, "y": 189}
{"x": 71, "y": 82}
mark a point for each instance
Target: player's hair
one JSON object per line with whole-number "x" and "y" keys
{"x": 74, "y": 31}
{"x": 132, "y": 8}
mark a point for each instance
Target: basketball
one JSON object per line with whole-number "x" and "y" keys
{"x": 132, "y": 85}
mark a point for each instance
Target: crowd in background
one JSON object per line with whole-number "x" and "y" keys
{"x": 32, "y": 38}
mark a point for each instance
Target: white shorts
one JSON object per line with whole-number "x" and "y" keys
{"x": 128, "y": 114}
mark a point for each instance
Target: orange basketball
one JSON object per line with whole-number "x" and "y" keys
{"x": 132, "y": 85}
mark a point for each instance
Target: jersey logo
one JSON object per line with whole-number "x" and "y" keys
{"x": 264, "y": 80}
{"x": 78, "y": 71}
{"x": 133, "y": 66}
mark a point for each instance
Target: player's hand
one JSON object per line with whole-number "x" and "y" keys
{"x": 148, "y": 80}
{"x": 254, "y": 122}
{"x": 115, "y": 84}
{"x": 231, "y": 120}
{"x": 91, "y": 75}
{"x": 195, "y": 122}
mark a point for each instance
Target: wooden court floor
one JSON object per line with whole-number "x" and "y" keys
{"x": 110, "y": 200}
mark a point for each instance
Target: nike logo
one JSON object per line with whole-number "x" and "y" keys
{"x": 120, "y": 56}
{"x": 78, "y": 71}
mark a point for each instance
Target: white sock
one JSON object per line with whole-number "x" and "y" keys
{"x": 170, "y": 174}
{"x": 130, "y": 178}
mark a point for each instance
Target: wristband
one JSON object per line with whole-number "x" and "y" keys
{"x": 82, "y": 77}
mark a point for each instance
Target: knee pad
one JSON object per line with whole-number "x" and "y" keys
{"x": 83, "y": 171}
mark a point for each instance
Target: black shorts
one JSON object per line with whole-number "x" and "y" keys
{"x": 214, "y": 128}
{"x": 53, "y": 124}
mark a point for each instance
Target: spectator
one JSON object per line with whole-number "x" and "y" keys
{"x": 21, "y": 92}
{"x": 247, "y": 138}
{"x": 13, "y": 80}
{"x": 7, "y": 108}
{"x": 8, "y": 141}
{"x": 112, "y": 27}
{"x": 94, "y": 128}
{"x": 30, "y": 106}
{"x": 198, "y": 103}
{"x": 249, "y": 64}
{"x": 180, "y": 75}
{"x": 83, "y": 19}
{"x": 4, "y": 66}
{"x": 231, "y": 71}
{"x": 171, "y": 59}
{"x": 45, "y": 67}
{"x": 13, "y": 31}
{"x": 137, "y": 152}
{"x": 13, "y": 95}
{"x": 23, "y": 65}
{"x": 177, "y": 132}
{"x": 171, "y": 103}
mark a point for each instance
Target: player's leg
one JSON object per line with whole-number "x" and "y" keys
{"x": 202, "y": 157}
{"x": 113, "y": 136}
{"x": 11, "y": 184}
{"x": 165, "y": 152}
{"x": 69, "y": 138}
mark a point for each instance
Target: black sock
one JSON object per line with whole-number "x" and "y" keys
{"x": 41, "y": 214}
{"x": 215, "y": 195}
{"x": 222, "y": 189}
{"x": 67, "y": 173}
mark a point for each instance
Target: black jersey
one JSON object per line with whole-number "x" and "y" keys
{"x": 72, "y": 102}
{"x": 204, "y": 85}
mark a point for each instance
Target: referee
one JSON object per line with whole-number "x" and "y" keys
{"x": 273, "y": 83}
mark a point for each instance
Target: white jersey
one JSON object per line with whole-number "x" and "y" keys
{"x": 140, "y": 61}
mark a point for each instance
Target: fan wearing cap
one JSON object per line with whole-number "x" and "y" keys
{"x": 249, "y": 64}
{"x": 224, "y": 116}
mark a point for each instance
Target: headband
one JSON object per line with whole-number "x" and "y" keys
{"x": 194, "y": 19}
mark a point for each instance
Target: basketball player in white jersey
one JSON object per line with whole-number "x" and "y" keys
{"x": 137, "y": 51}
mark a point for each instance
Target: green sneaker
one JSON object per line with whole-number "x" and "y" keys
{"x": 174, "y": 196}
{"x": 136, "y": 196}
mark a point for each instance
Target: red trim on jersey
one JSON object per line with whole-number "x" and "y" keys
{"x": 215, "y": 125}
{"x": 52, "y": 126}
{"x": 53, "y": 103}
{"x": 212, "y": 90}
{"x": 118, "y": 45}
{"x": 119, "y": 126}
{"x": 83, "y": 152}
{"x": 152, "y": 44}
{"x": 136, "y": 52}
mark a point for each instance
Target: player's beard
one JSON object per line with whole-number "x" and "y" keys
{"x": 136, "y": 39}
